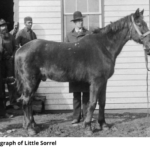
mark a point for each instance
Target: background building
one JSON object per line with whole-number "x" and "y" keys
{"x": 51, "y": 18}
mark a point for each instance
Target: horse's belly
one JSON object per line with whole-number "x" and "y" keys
{"x": 58, "y": 77}
{"x": 57, "y": 74}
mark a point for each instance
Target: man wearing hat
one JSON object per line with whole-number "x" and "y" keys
{"x": 7, "y": 48}
{"x": 15, "y": 29}
{"x": 78, "y": 88}
{"x": 25, "y": 35}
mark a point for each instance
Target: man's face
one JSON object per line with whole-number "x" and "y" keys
{"x": 3, "y": 29}
{"x": 16, "y": 25}
{"x": 28, "y": 24}
{"x": 79, "y": 23}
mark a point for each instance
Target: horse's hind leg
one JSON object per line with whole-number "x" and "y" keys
{"x": 27, "y": 110}
{"x": 28, "y": 116}
{"x": 30, "y": 87}
{"x": 102, "y": 100}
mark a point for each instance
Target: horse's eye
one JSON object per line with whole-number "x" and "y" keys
{"x": 139, "y": 24}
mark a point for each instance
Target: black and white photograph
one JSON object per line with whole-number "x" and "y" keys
{"x": 74, "y": 69}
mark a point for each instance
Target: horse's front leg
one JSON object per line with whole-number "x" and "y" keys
{"x": 94, "y": 90}
{"x": 29, "y": 123}
{"x": 102, "y": 100}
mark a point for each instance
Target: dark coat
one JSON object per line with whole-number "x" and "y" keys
{"x": 1, "y": 79}
{"x": 74, "y": 37}
{"x": 8, "y": 50}
{"x": 8, "y": 45}
{"x": 23, "y": 37}
{"x": 2, "y": 92}
{"x": 13, "y": 32}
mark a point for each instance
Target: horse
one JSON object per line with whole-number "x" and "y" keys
{"x": 91, "y": 60}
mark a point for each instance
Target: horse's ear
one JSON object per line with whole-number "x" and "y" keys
{"x": 137, "y": 13}
{"x": 142, "y": 12}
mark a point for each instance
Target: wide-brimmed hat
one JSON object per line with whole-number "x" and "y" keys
{"x": 77, "y": 16}
{"x": 3, "y": 22}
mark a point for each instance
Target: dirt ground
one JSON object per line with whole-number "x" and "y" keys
{"x": 124, "y": 123}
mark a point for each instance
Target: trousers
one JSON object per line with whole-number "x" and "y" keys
{"x": 8, "y": 67}
{"x": 2, "y": 93}
{"x": 8, "y": 75}
{"x": 80, "y": 105}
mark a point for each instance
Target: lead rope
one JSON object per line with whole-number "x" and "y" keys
{"x": 146, "y": 62}
{"x": 146, "y": 59}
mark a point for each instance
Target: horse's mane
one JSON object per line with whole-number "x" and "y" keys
{"x": 113, "y": 26}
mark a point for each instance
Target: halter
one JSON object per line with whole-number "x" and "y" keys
{"x": 138, "y": 31}
{"x": 146, "y": 58}
{"x": 141, "y": 37}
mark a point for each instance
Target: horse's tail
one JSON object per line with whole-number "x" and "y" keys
{"x": 18, "y": 73}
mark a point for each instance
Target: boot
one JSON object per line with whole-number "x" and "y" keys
{"x": 11, "y": 85}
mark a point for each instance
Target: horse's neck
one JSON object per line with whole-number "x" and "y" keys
{"x": 116, "y": 41}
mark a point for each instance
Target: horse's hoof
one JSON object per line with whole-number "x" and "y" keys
{"x": 24, "y": 127}
{"x": 104, "y": 127}
{"x": 31, "y": 132}
{"x": 86, "y": 125}
{"x": 34, "y": 125}
{"x": 88, "y": 133}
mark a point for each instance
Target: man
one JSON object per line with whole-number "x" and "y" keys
{"x": 7, "y": 46}
{"x": 78, "y": 88}
{"x": 25, "y": 35}
{"x": 13, "y": 32}
{"x": 15, "y": 29}
{"x": 2, "y": 95}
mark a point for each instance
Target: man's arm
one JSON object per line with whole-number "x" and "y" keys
{"x": 14, "y": 45}
{"x": 18, "y": 40}
{"x": 35, "y": 36}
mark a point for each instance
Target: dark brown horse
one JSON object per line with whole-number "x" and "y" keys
{"x": 91, "y": 60}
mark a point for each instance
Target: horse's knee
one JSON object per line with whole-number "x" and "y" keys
{"x": 26, "y": 100}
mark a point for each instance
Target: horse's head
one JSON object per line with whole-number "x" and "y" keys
{"x": 139, "y": 29}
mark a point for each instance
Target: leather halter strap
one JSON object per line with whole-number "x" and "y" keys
{"x": 141, "y": 37}
{"x": 138, "y": 31}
